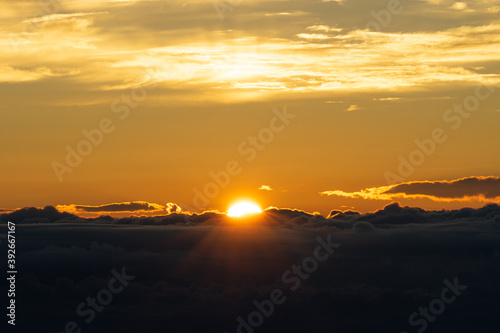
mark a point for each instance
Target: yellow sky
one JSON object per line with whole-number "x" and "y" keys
{"x": 172, "y": 92}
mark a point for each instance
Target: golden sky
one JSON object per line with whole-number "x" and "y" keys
{"x": 314, "y": 105}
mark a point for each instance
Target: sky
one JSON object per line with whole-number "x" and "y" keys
{"x": 362, "y": 134}
{"x": 147, "y": 107}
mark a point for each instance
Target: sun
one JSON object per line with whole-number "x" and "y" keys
{"x": 243, "y": 208}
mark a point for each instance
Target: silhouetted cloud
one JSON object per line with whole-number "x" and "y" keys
{"x": 391, "y": 214}
{"x": 200, "y": 272}
{"x": 122, "y": 207}
{"x": 486, "y": 189}
{"x": 37, "y": 215}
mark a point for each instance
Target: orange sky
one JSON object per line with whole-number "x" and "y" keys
{"x": 316, "y": 100}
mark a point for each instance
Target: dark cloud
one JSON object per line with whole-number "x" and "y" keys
{"x": 488, "y": 187}
{"x": 339, "y": 213}
{"x": 485, "y": 189}
{"x": 200, "y": 272}
{"x": 33, "y": 215}
{"x": 391, "y": 214}
{"x": 119, "y": 207}
{"x": 363, "y": 226}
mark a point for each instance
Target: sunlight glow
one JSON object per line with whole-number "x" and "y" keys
{"x": 243, "y": 208}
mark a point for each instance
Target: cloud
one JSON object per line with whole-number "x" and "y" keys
{"x": 172, "y": 208}
{"x": 10, "y": 74}
{"x": 353, "y": 108}
{"x": 282, "y": 14}
{"x": 459, "y": 5}
{"x": 346, "y": 220}
{"x": 387, "y": 99}
{"x": 313, "y": 36}
{"x": 484, "y": 189}
{"x": 34, "y": 215}
{"x": 494, "y": 9}
{"x": 363, "y": 227}
{"x": 390, "y": 263}
{"x": 59, "y": 17}
{"x": 323, "y": 28}
{"x": 405, "y": 55}
{"x": 265, "y": 188}
{"x": 122, "y": 207}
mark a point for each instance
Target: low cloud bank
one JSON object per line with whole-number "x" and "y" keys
{"x": 201, "y": 272}
{"x": 390, "y": 216}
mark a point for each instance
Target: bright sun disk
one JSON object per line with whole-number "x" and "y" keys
{"x": 243, "y": 208}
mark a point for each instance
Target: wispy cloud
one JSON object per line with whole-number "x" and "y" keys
{"x": 305, "y": 59}
{"x": 353, "y": 108}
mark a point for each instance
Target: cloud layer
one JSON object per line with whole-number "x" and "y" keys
{"x": 199, "y": 273}
{"x": 338, "y": 220}
{"x": 399, "y": 54}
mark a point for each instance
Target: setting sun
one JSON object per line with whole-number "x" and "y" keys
{"x": 243, "y": 208}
